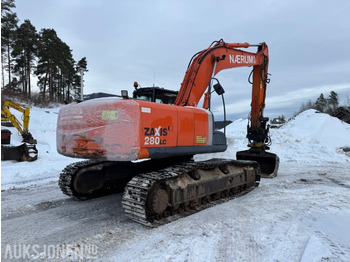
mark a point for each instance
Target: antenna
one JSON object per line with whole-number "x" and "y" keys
{"x": 154, "y": 79}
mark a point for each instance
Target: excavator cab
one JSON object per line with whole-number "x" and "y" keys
{"x": 154, "y": 94}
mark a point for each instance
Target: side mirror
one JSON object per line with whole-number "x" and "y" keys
{"x": 219, "y": 89}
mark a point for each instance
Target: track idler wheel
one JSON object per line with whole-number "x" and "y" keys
{"x": 88, "y": 181}
{"x": 158, "y": 201}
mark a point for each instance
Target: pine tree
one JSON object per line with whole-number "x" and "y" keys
{"x": 56, "y": 67}
{"x": 82, "y": 65}
{"x": 333, "y": 102}
{"x": 24, "y": 51}
{"x": 81, "y": 68}
{"x": 48, "y": 54}
{"x": 6, "y": 6}
{"x": 321, "y": 103}
{"x": 67, "y": 72}
{"x": 9, "y": 22}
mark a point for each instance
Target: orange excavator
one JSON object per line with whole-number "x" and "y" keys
{"x": 118, "y": 135}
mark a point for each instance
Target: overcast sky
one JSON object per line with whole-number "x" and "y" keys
{"x": 152, "y": 42}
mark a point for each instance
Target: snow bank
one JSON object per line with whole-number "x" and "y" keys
{"x": 311, "y": 136}
{"x": 323, "y": 128}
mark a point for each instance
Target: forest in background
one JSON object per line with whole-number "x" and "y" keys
{"x": 27, "y": 54}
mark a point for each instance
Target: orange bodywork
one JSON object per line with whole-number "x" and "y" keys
{"x": 124, "y": 130}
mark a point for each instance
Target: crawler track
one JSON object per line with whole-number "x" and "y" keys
{"x": 159, "y": 191}
{"x": 69, "y": 174}
{"x": 156, "y": 198}
{"x": 92, "y": 178}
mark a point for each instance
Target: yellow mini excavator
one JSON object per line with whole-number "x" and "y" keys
{"x": 27, "y": 150}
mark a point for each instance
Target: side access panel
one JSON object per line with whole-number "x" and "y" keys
{"x": 186, "y": 127}
{"x": 172, "y": 131}
{"x": 158, "y": 125}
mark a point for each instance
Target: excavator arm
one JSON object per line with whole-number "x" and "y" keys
{"x": 219, "y": 56}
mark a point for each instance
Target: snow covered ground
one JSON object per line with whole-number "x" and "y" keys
{"x": 301, "y": 215}
{"x": 42, "y": 125}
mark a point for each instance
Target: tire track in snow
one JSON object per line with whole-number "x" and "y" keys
{"x": 42, "y": 215}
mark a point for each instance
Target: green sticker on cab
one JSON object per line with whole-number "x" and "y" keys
{"x": 110, "y": 115}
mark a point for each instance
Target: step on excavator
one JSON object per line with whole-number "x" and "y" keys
{"x": 145, "y": 145}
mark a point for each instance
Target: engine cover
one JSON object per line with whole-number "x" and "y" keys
{"x": 125, "y": 130}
